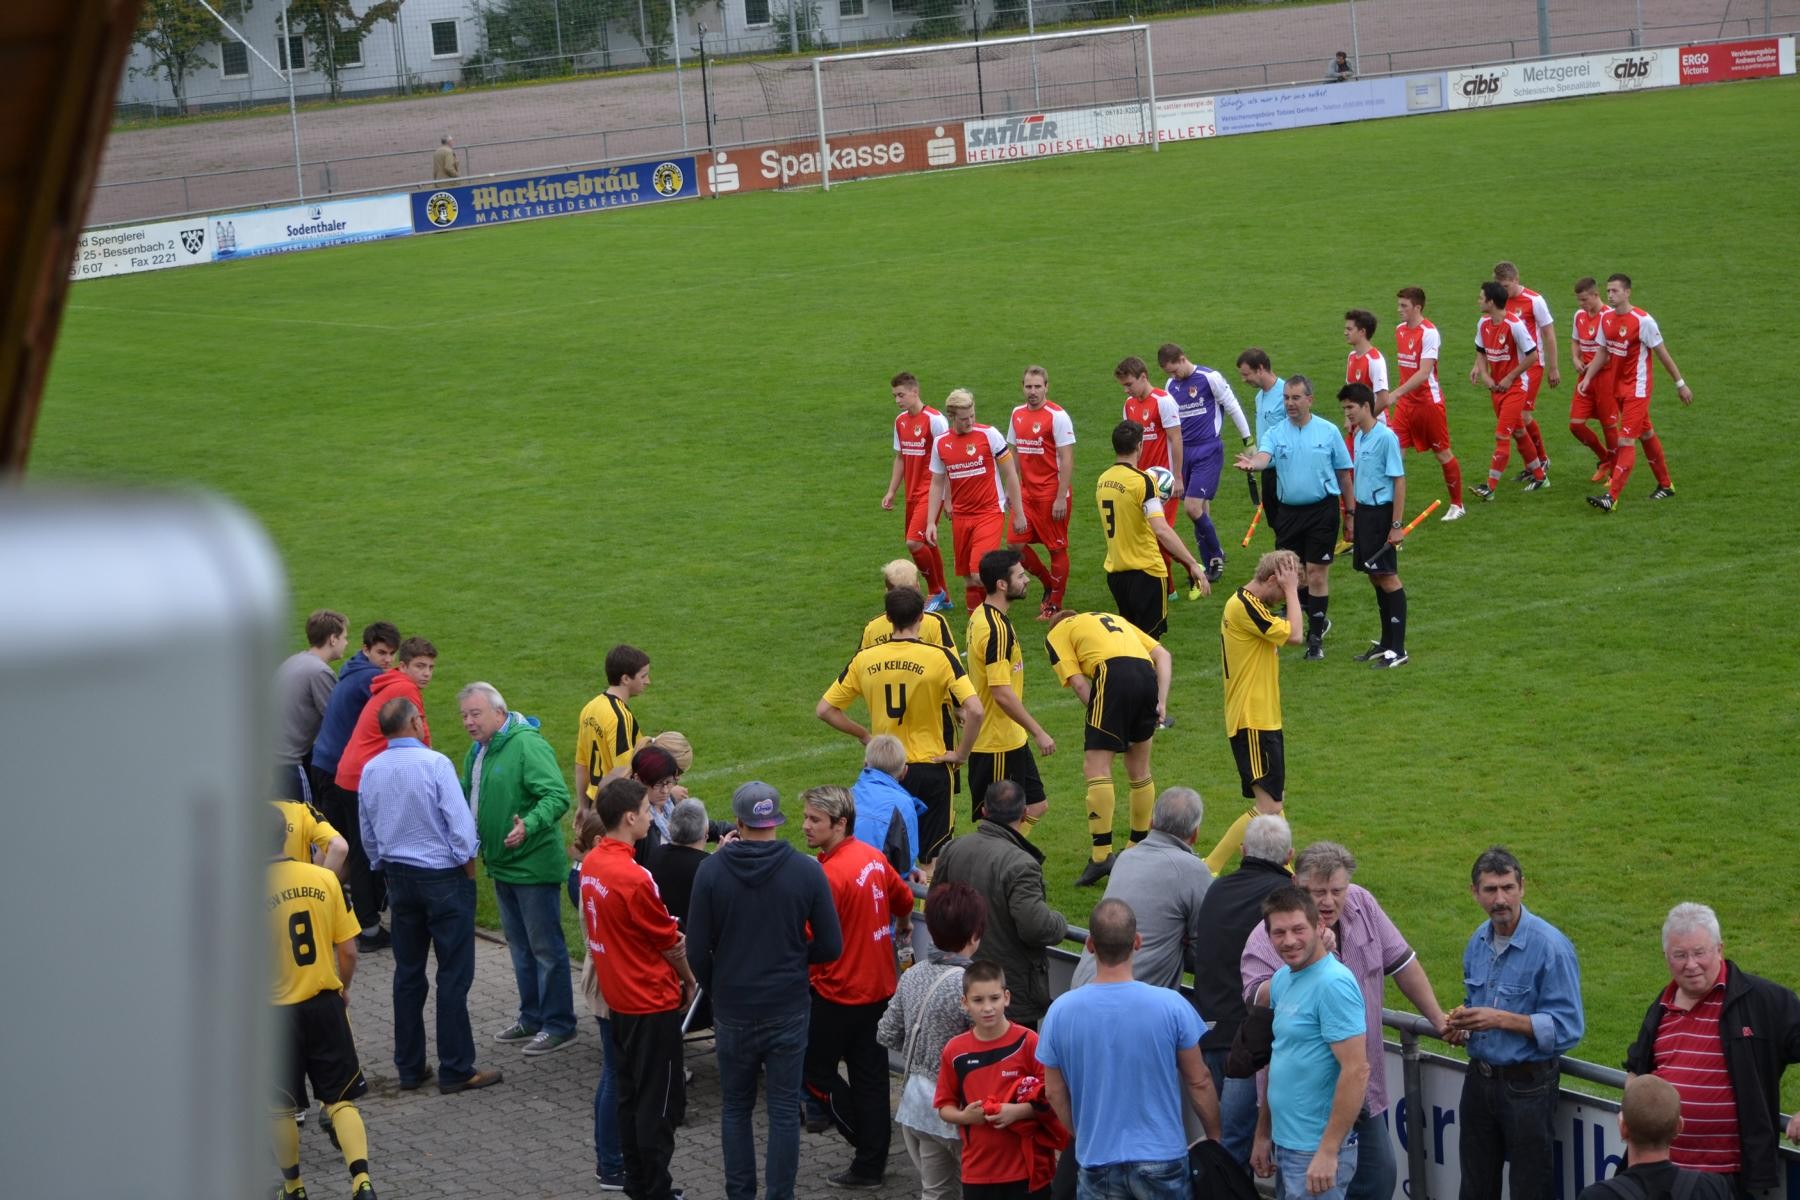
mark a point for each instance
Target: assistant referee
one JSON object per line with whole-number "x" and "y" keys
{"x": 1380, "y": 501}
{"x": 1312, "y": 475}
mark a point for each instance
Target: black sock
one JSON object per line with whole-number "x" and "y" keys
{"x": 1397, "y": 620}
{"x": 1381, "y": 606}
{"x": 1316, "y": 627}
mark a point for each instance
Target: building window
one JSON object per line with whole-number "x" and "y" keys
{"x": 296, "y": 44}
{"x": 850, "y": 9}
{"x": 234, "y": 60}
{"x": 445, "y": 42}
{"x": 348, "y": 48}
{"x": 756, "y": 12}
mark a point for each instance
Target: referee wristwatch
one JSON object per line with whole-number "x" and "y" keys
{"x": 1397, "y": 525}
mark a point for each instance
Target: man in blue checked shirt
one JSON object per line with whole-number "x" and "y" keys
{"x": 1377, "y": 529}
{"x": 1523, "y": 1010}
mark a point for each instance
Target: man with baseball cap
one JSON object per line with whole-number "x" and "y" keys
{"x": 760, "y": 915}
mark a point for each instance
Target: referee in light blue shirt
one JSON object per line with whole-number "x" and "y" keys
{"x": 1312, "y": 475}
{"x": 418, "y": 831}
{"x": 1268, "y": 407}
{"x": 1380, "y": 502}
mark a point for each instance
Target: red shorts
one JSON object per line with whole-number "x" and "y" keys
{"x": 1420, "y": 425}
{"x": 1597, "y": 403}
{"x": 1510, "y": 410}
{"x": 974, "y": 537}
{"x": 1534, "y": 380}
{"x": 917, "y": 508}
{"x": 1634, "y": 414}
{"x": 1045, "y": 530}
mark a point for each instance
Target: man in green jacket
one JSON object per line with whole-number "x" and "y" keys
{"x": 515, "y": 787}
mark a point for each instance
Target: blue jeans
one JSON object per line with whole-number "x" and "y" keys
{"x": 1134, "y": 1181}
{"x": 433, "y": 910}
{"x": 609, "y": 1159}
{"x": 531, "y": 918}
{"x": 776, "y": 1046}
{"x": 1290, "y": 1172}
{"x": 1237, "y": 1108}
{"x": 1376, "y": 1170}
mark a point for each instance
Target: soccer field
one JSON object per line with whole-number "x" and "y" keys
{"x": 670, "y": 426}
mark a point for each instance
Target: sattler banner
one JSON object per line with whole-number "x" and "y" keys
{"x": 1724, "y": 62}
{"x": 858, "y": 156}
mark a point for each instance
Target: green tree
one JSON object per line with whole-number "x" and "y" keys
{"x": 543, "y": 37}
{"x": 177, "y": 34}
{"x": 335, "y": 32}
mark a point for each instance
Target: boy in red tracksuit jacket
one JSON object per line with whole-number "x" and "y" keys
{"x": 1008, "y": 1145}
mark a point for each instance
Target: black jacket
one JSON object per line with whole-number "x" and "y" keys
{"x": 761, "y": 913}
{"x": 1231, "y": 910}
{"x": 1759, "y": 1029}
{"x": 1008, "y": 871}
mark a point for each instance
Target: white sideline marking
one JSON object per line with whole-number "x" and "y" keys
{"x": 236, "y": 316}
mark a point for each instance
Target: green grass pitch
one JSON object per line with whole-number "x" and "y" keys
{"x": 670, "y": 426}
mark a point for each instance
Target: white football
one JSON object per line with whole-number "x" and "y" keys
{"x": 1164, "y": 480}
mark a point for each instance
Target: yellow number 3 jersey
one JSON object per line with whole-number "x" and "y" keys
{"x": 308, "y": 918}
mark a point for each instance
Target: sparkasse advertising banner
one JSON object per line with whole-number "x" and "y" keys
{"x": 554, "y": 195}
{"x": 308, "y": 226}
{"x": 127, "y": 249}
{"x": 1560, "y": 78}
{"x": 857, "y": 156}
{"x": 1723, "y": 62}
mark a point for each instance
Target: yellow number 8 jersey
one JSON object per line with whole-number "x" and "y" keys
{"x": 308, "y": 918}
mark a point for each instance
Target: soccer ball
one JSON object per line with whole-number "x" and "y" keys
{"x": 1164, "y": 480}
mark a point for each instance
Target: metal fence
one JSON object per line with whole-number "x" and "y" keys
{"x": 533, "y": 85}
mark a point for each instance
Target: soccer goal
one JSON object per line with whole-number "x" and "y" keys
{"x": 1007, "y": 85}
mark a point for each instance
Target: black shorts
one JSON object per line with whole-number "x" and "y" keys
{"x": 1270, "y": 501}
{"x": 1122, "y": 710}
{"x": 315, "y": 1044}
{"x": 1142, "y": 599}
{"x": 1309, "y": 530}
{"x": 934, "y": 784}
{"x": 1017, "y": 764}
{"x": 1372, "y": 524}
{"x": 1261, "y": 760}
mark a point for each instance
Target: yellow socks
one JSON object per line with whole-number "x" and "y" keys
{"x": 1100, "y": 804}
{"x": 1143, "y": 800}
{"x": 1222, "y": 854}
{"x": 287, "y": 1149}
{"x": 352, "y": 1140}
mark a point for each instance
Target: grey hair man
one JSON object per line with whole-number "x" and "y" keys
{"x": 1366, "y": 941}
{"x": 443, "y": 159}
{"x": 1690, "y": 1038}
{"x": 1164, "y": 882}
{"x": 675, "y": 868}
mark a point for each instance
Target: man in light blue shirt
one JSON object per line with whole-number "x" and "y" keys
{"x": 1380, "y": 504}
{"x": 1118, "y": 1056}
{"x": 1312, "y": 473}
{"x": 1523, "y": 1011}
{"x": 417, "y": 829}
{"x": 1319, "y": 1065}
{"x": 1269, "y": 406}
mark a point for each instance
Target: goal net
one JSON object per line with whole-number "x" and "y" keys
{"x": 985, "y": 81}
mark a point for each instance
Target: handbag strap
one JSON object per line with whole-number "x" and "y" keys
{"x": 919, "y": 1019}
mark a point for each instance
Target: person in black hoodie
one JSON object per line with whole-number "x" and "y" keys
{"x": 748, "y": 924}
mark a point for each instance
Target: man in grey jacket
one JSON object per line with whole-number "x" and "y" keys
{"x": 1008, "y": 871}
{"x": 1163, "y": 881}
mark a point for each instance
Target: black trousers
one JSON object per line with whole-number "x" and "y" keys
{"x": 647, "y": 1068}
{"x": 368, "y": 890}
{"x": 859, "y": 1109}
{"x": 1509, "y": 1118}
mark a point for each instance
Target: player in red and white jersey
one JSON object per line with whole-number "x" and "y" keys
{"x": 916, "y": 427}
{"x": 974, "y": 468}
{"x": 1160, "y": 416}
{"x": 1416, "y": 407}
{"x": 1595, "y": 401}
{"x": 1504, "y": 352}
{"x": 1632, "y": 337}
{"x": 1043, "y": 437}
{"x": 1531, "y": 310}
{"x": 1365, "y": 364}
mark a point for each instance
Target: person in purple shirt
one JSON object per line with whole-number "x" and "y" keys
{"x": 1204, "y": 399}
{"x": 1365, "y": 941}
{"x": 418, "y": 830}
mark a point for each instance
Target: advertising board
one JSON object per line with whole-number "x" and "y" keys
{"x": 1075, "y": 130}
{"x": 555, "y": 195}
{"x": 1724, "y": 62}
{"x": 1319, "y": 104}
{"x": 853, "y": 156}
{"x": 308, "y": 226}
{"x": 127, "y": 249}
{"x": 1560, "y": 78}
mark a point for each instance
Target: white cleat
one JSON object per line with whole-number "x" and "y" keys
{"x": 1456, "y": 513}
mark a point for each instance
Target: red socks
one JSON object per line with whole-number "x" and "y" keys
{"x": 1059, "y": 576}
{"x": 931, "y": 565}
{"x": 1586, "y": 437}
{"x": 973, "y": 596}
{"x": 1537, "y": 443}
{"x": 1624, "y": 458}
{"x": 1453, "y": 480}
{"x": 1658, "y": 465}
{"x": 1033, "y": 564}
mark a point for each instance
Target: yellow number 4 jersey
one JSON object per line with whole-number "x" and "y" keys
{"x": 1080, "y": 644}
{"x": 912, "y": 690}
{"x": 308, "y": 919}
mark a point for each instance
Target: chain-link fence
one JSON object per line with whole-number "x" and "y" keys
{"x": 211, "y": 119}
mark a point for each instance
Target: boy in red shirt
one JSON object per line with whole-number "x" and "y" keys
{"x": 991, "y": 1085}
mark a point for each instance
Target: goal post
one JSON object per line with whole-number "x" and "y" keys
{"x": 981, "y": 80}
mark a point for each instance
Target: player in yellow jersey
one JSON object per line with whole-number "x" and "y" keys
{"x": 1003, "y": 746}
{"x": 311, "y": 838}
{"x": 913, "y": 691}
{"x": 609, "y": 734}
{"x": 313, "y": 936}
{"x": 1122, "y": 674}
{"x": 933, "y": 630}
{"x": 1250, "y": 634}
{"x": 1137, "y": 535}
